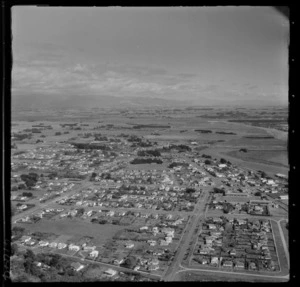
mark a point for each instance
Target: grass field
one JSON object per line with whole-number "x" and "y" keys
{"x": 280, "y": 251}
{"x": 285, "y": 232}
{"x": 75, "y": 228}
{"x": 270, "y": 157}
{"x": 214, "y": 277}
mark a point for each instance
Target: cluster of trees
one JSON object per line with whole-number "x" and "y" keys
{"x": 99, "y": 220}
{"x": 34, "y": 130}
{"x": 204, "y": 131}
{"x": 190, "y": 190}
{"x": 57, "y": 266}
{"x": 224, "y": 161}
{"x": 134, "y": 138}
{"x": 105, "y": 175}
{"x": 99, "y": 137}
{"x": 22, "y": 136}
{"x": 179, "y": 148}
{"x": 146, "y": 160}
{"x": 243, "y": 150}
{"x": 18, "y": 232}
{"x": 58, "y": 133}
{"x": 226, "y": 133}
{"x": 150, "y": 126}
{"x": 227, "y": 207}
{"x": 80, "y": 212}
{"x": 90, "y": 146}
{"x": 52, "y": 175}
{"x": 174, "y": 164}
{"x": 219, "y": 190}
{"x": 154, "y": 153}
{"x": 143, "y": 144}
{"x": 30, "y": 179}
{"x": 206, "y": 156}
{"x": 130, "y": 262}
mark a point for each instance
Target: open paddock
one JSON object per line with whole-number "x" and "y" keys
{"x": 75, "y": 228}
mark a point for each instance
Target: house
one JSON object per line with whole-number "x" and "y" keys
{"x": 252, "y": 266}
{"x": 74, "y": 247}
{"x": 239, "y": 265}
{"x": 61, "y": 245}
{"x": 214, "y": 261}
{"x": 77, "y": 266}
{"x": 42, "y": 265}
{"x": 53, "y": 244}
{"x": 43, "y": 243}
{"x": 152, "y": 242}
{"x": 153, "y": 267}
{"x": 212, "y": 226}
{"x": 25, "y": 238}
{"x": 204, "y": 261}
{"x": 94, "y": 254}
{"x": 164, "y": 243}
{"x": 129, "y": 245}
{"x": 110, "y": 272}
{"x": 118, "y": 261}
{"x": 30, "y": 242}
{"x": 228, "y": 264}
{"x": 89, "y": 248}
{"x": 154, "y": 262}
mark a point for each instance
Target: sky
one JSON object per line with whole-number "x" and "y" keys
{"x": 202, "y": 55}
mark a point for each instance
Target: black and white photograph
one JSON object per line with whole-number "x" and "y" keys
{"x": 149, "y": 144}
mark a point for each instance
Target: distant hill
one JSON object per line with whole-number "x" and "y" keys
{"x": 37, "y": 101}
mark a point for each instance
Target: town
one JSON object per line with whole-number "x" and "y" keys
{"x": 103, "y": 206}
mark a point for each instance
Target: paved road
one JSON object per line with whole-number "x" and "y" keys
{"x": 184, "y": 269}
{"x": 40, "y": 206}
{"x": 119, "y": 268}
{"x": 186, "y": 239}
{"x": 286, "y": 250}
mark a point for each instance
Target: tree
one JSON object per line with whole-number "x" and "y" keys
{"x": 207, "y": 161}
{"x": 223, "y": 161}
{"x": 55, "y": 260}
{"x": 21, "y": 186}
{"x": 80, "y": 211}
{"x": 130, "y": 262}
{"x": 258, "y": 193}
{"x": 29, "y": 254}
{"x": 14, "y": 249}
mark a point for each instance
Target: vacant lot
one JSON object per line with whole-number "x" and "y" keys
{"x": 76, "y": 228}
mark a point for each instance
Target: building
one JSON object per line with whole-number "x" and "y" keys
{"x": 110, "y": 272}
{"x": 77, "y": 266}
